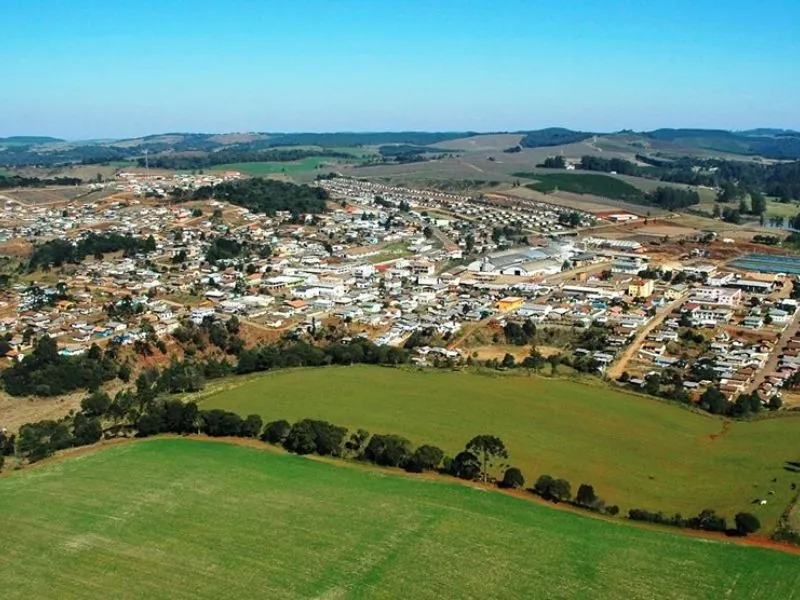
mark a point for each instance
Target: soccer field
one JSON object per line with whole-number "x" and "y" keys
{"x": 177, "y": 518}
{"x": 637, "y": 452}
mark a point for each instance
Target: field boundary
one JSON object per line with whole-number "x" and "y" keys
{"x": 755, "y": 541}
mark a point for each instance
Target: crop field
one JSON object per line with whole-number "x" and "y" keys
{"x": 179, "y": 518}
{"x": 637, "y": 452}
{"x": 597, "y": 185}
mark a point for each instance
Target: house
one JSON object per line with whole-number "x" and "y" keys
{"x": 510, "y": 303}
{"x": 717, "y": 295}
{"x": 641, "y": 288}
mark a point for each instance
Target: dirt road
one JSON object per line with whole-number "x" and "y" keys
{"x": 617, "y": 368}
{"x": 772, "y": 362}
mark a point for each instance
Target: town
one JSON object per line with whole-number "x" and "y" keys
{"x": 455, "y": 278}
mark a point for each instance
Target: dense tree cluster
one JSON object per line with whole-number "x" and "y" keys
{"x": 552, "y": 136}
{"x": 44, "y": 372}
{"x": 553, "y": 162}
{"x": 55, "y": 253}
{"x": 267, "y": 195}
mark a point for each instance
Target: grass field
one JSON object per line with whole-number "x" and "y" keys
{"x": 270, "y": 168}
{"x": 637, "y": 452}
{"x": 196, "y": 519}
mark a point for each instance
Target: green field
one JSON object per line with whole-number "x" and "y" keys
{"x": 637, "y": 452}
{"x": 269, "y": 168}
{"x": 605, "y": 186}
{"x": 194, "y": 519}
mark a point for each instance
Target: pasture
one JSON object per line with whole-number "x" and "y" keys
{"x": 260, "y": 169}
{"x": 638, "y": 452}
{"x": 179, "y": 518}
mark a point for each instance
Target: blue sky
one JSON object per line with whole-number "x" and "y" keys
{"x": 91, "y": 68}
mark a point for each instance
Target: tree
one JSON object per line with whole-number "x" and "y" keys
{"x": 388, "y": 450}
{"x": 586, "y": 495}
{"x": 512, "y": 479}
{"x": 487, "y": 448}
{"x": 252, "y": 426}
{"x": 746, "y": 523}
{"x": 357, "y": 440}
{"x": 758, "y": 204}
{"x": 508, "y": 361}
{"x": 275, "y": 432}
{"x": 424, "y": 458}
{"x": 465, "y": 465}
{"x": 556, "y": 490}
{"x": 86, "y": 430}
{"x": 96, "y": 404}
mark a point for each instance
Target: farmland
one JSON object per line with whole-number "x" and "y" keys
{"x": 260, "y": 169}
{"x": 598, "y": 185}
{"x": 175, "y": 518}
{"x": 637, "y": 452}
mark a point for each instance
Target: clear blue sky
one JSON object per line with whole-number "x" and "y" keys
{"x": 114, "y": 68}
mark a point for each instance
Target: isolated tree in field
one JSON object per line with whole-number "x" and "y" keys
{"x": 512, "y": 479}
{"x": 746, "y": 523}
{"x": 487, "y": 448}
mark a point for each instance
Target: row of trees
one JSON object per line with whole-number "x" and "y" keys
{"x": 303, "y": 354}
{"x": 706, "y": 520}
{"x": 16, "y": 181}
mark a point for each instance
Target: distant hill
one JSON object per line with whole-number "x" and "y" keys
{"x": 27, "y": 140}
{"x": 20, "y": 151}
{"x": 769, "y": 143}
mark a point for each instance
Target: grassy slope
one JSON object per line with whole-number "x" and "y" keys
{"x": 268, "y": 168}
{"x": 192, "y": 519}
{"x": 635, "y": 451}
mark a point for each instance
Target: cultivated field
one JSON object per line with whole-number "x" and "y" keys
{"x": 197, "y": 519}
{"x": 636, "y": 451}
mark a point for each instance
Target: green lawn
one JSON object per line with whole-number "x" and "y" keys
{"x": 268, "y": 168}
{"x": 194, "y": 519}
{"x": 637, "y": 452}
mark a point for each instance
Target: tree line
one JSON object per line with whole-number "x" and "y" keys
{"x": 17, "y": 181}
